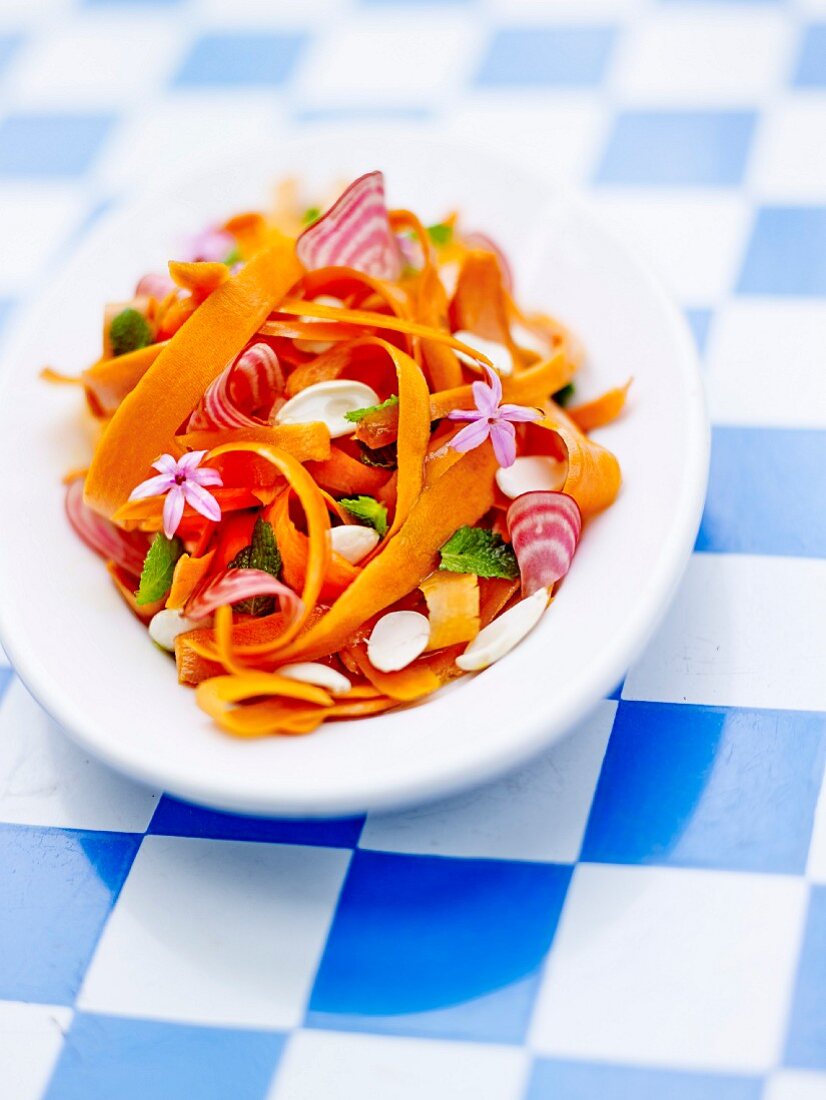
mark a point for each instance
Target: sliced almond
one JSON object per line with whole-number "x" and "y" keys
{"x": 166, "y": 625}
{"x": 500, "y": 636}
{"x": 530, "y": 474}
{"x": 397, "y": 639}
{"x": 316, "y": 347}
{"x": 352, "y": 542}
{"x": 496, "y": 352}
{"x": 313, "y": 672}
{"x": 326, "y": 403}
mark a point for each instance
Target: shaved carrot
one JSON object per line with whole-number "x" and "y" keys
{"x": 453, "y": 608}
{"x": 602, "y": 410}
{"x": 145, "y": 423}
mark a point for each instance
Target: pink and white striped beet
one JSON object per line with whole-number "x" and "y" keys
{"x": 544, "y": 529}
{"x": 254, "y": 381}
{"x": 125, "y": 548}
{"x": 236, "y": 585}
{"x": 355, "y": 232}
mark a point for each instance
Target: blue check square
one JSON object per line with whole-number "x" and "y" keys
{"x": 53, "y": 144}
{"x": 108, "y": 1057}
{"x": 678, "y": 148}
{"x": 563, "y": 1080}
{"x": 547, "y": 56}
{"x": 59, "y": 888}
{"x": 711, "y": 787}
{"x": 806, "y": 1038}
{"x": 424, "y": 944}
{"x": 810, "y": 70}
{"x": 749, "y": 508}
{"x": 241, "y": 60}
{"x": 175, "y": 818}
{"x": 786, "y": 254}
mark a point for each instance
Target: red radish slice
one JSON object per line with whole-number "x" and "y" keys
{"x": 355, "y": 232}
{"x": 236, "y": 585}
{"x": 544, "y": 529}
{"x": 482, "y": 240}
{"x": 253, "y": 381}
{"x": 126, "y": 549}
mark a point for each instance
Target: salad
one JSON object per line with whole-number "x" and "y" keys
{"x": 338, "y": 465}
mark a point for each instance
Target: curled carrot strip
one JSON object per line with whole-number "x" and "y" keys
{"x": 453, "y": 608}
{"x": 342, "y": 474}
{"x": 602, "y": 410}
{"x": 460, "y": 497}
{"x": 108, "y": 381}
{"x": 199, "y": 278}
{"x": 188, "y": 574}
{"x": 405, "y": 686}
{"x": 305, "y": 442}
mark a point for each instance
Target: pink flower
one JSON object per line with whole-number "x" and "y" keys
{"x": 183, "y": 483}
{"x": 211, "y": 244}
{"x": 491, "y": 418}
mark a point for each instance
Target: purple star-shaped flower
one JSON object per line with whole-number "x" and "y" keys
{"x": 211, "y": 244}
{"x": 491, "y": 418}
{"x": 184, "y": 483}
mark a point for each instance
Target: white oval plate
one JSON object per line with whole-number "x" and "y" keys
{"x": 92, "y": 666}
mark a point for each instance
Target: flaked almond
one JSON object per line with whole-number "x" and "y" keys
{"x": 500, "y": 636}
{"x": 326, "y": 403}
{"x": 397, "y": 639}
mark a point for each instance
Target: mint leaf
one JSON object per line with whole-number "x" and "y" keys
{"x": 311, "y": 214}
{"x": 129, "y": 331}
{"x": 262, "y": 553}
{"x": 368, "y": 511}
{"x": 158, "y": 567}
{"x": 233, "y": 256}
{"x": 440, "y": 233}
{"x": 359, "y": 414}
{"x": 480, "y": 551}
{"x": 563, "y": 396}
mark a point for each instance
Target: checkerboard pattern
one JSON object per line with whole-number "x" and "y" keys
{"x": 641, "y": 912}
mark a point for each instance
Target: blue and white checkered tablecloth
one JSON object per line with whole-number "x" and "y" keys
{"x": 642, "y": 913}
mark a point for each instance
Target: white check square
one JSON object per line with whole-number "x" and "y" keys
{"x": 350, "y": 1067}
{"x": 216, "y": 932}
{"x": 688, "y": 57}
{"x": 789, "y": 158}
{"x": 743, "y": 631}
{"x": 754, "y": 343}
{"x": 667, "y": 967}
{"x": 31, "y": 1036}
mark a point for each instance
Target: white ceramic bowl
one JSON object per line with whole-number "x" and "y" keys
{"x": 92, "y": 666}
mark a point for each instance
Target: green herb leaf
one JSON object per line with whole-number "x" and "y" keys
{"x": 311, "y": 214}
{"x": 359, "y": 414}
{"x": 368, "y": 511}
{"x": 262, "y": 553}
{"x": 385, "y": 458}
{"x": 440, "y": 234}
{"x": 480, "y": 551}
{"x": 563, "y": 396}
{"x": 158, "y": 567}
{"x": 233, "y": 256}
{"x": 129, "y": 331}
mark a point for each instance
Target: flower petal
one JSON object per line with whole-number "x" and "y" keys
{"x": 202, "y": 501}
{"x": 465, "y": 414}
{"x": 152, "y": 487}
{"x": 173, "y": 509}
{"x": 503, "y": 437}
{"x": 495, "y": 383}
{"x": 165, "y": 464}
{"x": 206, "y": 475}
{"x": 190, "y": 461}
{"x": 519, "y": 414}
{"x": 485, "y": 398}
{"x": 472, "y": 435}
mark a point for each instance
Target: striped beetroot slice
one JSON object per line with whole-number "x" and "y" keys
{"x": 544, "y": 529}
{"x": 355, "y": 232}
